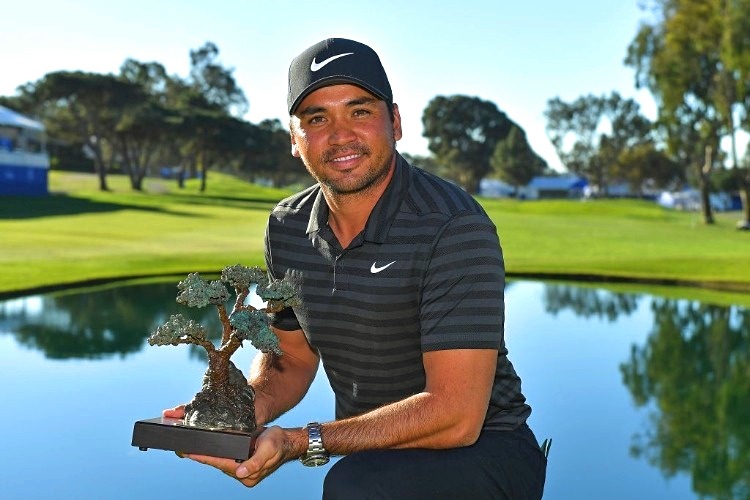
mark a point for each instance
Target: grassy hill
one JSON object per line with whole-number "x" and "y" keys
{"x": 81, "y": 235}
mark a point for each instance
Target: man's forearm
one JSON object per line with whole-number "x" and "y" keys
{"x": 420, "y": 421}
{"x": 280, "y": 382}
{"x": 449, "y": 413}
{"x": 414, "y": 422}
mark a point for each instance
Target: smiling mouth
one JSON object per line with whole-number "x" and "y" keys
{"x": 346, "y": 158}
{"x": 345, "y": 154}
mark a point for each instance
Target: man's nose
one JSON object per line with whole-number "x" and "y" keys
{"x": 341, "y": 133}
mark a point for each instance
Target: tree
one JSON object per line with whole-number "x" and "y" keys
{"x": 428, "y": 163}
{"x": 139, "y": 137}
{"x": 151, "y": 76}
{"x": 207, "y": 135}
{"x": 514, "y": 161}
{"x": 86, "y": 108}
{"x": 630, "y": 131}
{"x": 215, "y": 82}
{"x": 24, "y": 101}
{"x": 644, "y": 165}
{"x": 736, "y": 54}
{"x": 581, "y": 120}
{"x": 268, "y": 155}
{"x": 146, "y": 126}
{"x": 590, "y": 133}
{"x": 693, "y": 56}
{"x": 462, "y": 133}
{"x": 171, "y": 100}
{"x": 144, "y": 117}
{"x": 208, "y": 105}
{"x": 225, "y": 399}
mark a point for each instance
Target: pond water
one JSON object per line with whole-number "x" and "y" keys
{"x": 643, "y": 396}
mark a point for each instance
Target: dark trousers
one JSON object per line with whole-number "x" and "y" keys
{"x": 500, "y": 465}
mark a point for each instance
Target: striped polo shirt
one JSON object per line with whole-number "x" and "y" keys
{"x": 425, "y": 274}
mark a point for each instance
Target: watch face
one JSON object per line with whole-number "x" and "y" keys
{"x": 315, "y": 460}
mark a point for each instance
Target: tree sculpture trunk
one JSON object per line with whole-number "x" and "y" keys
{"x": 225, "y": 400}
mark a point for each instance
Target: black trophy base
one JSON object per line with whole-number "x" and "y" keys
{"x": 172, "y": 434}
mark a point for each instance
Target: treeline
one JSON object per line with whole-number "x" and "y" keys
{"x": 144, "y": 118}
{"x": 694, "y": 58}
{"x": 692, "y": 55}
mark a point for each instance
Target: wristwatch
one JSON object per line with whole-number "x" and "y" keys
{"x": 316, "y": 454}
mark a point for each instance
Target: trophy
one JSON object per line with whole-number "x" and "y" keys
{"x": 220, "y": 419}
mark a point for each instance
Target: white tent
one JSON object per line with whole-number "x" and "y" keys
{"x": 11, "y": 118}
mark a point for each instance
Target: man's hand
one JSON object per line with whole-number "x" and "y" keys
{"x": 273, "y": 448}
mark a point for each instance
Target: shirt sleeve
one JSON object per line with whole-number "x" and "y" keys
{"x": 462, "y": 303}
{"x": 285, "y": 319}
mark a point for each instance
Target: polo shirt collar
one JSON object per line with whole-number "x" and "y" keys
{"x": 383, "y": 213}
{"x": 389, "y": 204}
{"x": 318, "y": 214}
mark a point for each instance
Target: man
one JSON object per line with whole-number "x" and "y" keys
{"x": 402, "y": 282}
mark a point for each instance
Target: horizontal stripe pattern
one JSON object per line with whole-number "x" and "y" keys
{"x": 426, "y": 274}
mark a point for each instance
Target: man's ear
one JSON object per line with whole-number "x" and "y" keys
{"x": 397, "y": 132}
{"x": 295, "y": 150}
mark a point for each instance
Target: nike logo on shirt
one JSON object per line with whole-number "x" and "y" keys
{"x": 315, "y": 66}
{"x": 375, "y": 269}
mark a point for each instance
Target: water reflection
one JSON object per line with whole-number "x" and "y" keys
{"x": 588, "y": 302}
{"x": 693, "y": 377}
{"x": 693, "y": 373}
{"x": 113, "y": 321}
{"x": 687, "y": 369}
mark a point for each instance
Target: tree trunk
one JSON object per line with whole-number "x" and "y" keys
{"x": 472, "y": 184}
{"x": 101, "y": 170}
{"x": 745, "y": 197}
{"x": 181, "y": 177}
{"x": 703, "y": 175}
{"x": 708, "y": 216}
{"x": 131, "y": 165}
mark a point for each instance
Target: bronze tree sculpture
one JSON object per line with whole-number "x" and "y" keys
{"x": 226, "y": 400}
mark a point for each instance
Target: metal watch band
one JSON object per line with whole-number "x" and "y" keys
{"x": 316, "y": 452}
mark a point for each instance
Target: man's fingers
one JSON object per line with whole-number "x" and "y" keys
{"x": 225, "y": 464}
{"x": 230, "y": 468}
{"x": 176, "y": 412}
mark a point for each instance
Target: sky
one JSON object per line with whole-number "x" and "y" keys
{"x": 515, "y": 54}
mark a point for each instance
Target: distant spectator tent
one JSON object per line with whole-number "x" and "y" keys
{"x": 23, "y": 159}
{"x": 547, "y": 187}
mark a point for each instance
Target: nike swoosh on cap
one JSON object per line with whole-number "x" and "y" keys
{"x": 315, "y": 66}
{"x": 375, "y": 269}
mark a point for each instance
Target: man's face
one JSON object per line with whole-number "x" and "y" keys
{"x": 346, "y": 138}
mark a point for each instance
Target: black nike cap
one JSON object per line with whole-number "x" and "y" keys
{"x": 332, "y": 61}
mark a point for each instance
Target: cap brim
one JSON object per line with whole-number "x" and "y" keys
{"x": 334, "y": 80}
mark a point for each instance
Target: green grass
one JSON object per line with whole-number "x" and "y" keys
{"x": 621, "y": 239}
{"x": 80, "y": 235}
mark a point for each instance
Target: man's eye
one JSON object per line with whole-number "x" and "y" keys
{"x": 361, "y": 112}
{"x": 316, "y": 119}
